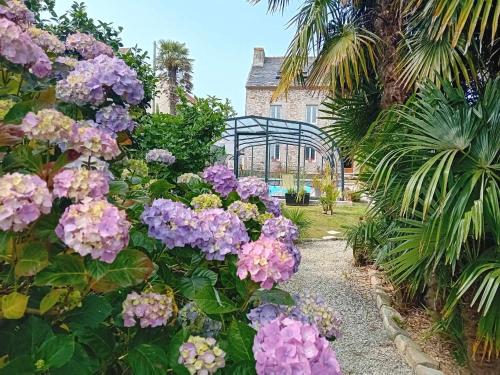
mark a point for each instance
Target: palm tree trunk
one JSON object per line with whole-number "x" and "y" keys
{"x": 387, "y": 26}
{"x": 172, "y": 90}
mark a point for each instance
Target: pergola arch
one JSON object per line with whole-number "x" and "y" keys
{"x": 252, "y": 131}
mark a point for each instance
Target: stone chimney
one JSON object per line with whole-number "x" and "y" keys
{"x": 258, "y": 56}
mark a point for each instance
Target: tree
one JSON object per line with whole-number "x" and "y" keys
{"x": 176, "y": 68}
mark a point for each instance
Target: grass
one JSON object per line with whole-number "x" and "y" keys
{"x": 321, "y": 223}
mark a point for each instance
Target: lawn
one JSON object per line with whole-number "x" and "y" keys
{"x": 321, "y": 223}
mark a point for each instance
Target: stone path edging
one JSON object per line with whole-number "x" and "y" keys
{"x": 409, "y": 349}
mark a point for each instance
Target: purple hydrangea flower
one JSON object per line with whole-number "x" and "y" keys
{"x": 272, "y": 205}
{"x": 78, "y": 184}
{"x": 219, "y": 233}
{"x": 251, "y": 187}
{"x": 288, "y": 346}
{"x": 17, "y": 47}
{"x": 221, "y": 178}
{"x": 201, "y": 356}
{"x": 267, "y": 261}
{"x": 160, "y": 156}
{"x": 23, "y": 198}
{"x": 245, "y": 211}
{"x": 47, "y": 125}
{"x": 46, "y": 40}
{"x": 94, "y": 227}
{"x": 91, "y": 141}
{"x": 281, "y": 228}
{"x": 170, "y": 222}
{"x": 68, "y": 61}
{"x": 114, "y": 118}
{"x": 16, "y": 11}
{"x": 87, "y": 46}
{"x": 150, "y": 309}
{"x": 89, "y": 81}
{"x": 197, "y": 322}
{"x": 265, "y": 313}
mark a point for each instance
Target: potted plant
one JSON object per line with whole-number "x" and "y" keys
{"x": 290, "y": 196}
{"x": 297, "y": 198}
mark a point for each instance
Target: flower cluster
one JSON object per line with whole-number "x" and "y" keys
{"x": 16, "y": 11}
{"x": 197, "y": 322}
{"x": 262, "y": 218}
{"x": 267, "y": 261}
{"x": 94, "y": 227}
{"x": 91, "y": 141}
{"x": 265, "y": 313}
{"x": 80, "y": 183}
{"x": 272, "y": 205}
{"x": 221, "y": 178}
{"x": 23, "y": 198}
{"x": 251, "y": 187}
{"x": 245, "y": 211}
{"x": 17, "y": 47}
{"x": 87, "y": 46}
{"x": 188, "y": 178}
{"x": 160, "y": 156}
{"x": 201, "y": 355}
{"x": 314, "y": 307}
{"x": 46, "y": 40}
{"x": 282, "y": 229}
{"x": 66, "y": 60}
{"x": 89, "y": 81}
{"x": 288, "y": 346}
{"x": 135, "y": 167}
{"x": 170, "y": 222}
{"x": 203, "y": 201}
{"x": 114, "y": 118}
{"x": 151, "y": 309}
{"x": 47, "y": 125}
{"x": 219, "y": 233}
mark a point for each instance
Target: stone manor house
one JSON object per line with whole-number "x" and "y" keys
{"x": 299, "y": 104}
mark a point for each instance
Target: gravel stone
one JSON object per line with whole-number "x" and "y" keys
{"x": 364, "y": 347}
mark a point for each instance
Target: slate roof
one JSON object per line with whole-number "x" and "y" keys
{"x": 267, "y": 75}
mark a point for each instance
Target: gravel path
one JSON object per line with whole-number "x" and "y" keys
{"x": 364, "y": 347}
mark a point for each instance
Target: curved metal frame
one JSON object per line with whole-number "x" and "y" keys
{"x": 250, "y": 131}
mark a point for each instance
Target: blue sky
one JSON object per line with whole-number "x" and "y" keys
{"x": 220, "y": 34}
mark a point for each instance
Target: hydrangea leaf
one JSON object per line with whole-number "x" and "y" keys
{"x": 79, "y": 364}
{"x": 117, "y": 187}
{"x": 51, "y": 299}
{"x": 173, "y": 352}
{"x": 56, "y": 351}
{"x": 160, "y": 188}
{"x": 147, "y": 359}
{"x": 211, "y": 301}
{"x": 31, "y": 334}
{"x": 14, "y": 305}
{"x": 22, "y": 365}
{"x": 131, "y": 267}
{"x": 240, "y": 340}
{"x": 276, "y": 296}
{"x": 32, "y": 258}
{"x": 95, "y": 309}
{"x": 65, "y": 270}
{"x": 200, "y": 279}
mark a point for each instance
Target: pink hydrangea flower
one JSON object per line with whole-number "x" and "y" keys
{"x": 89, "y": 140}
{"x": 47, "y": 125}
{"x": 16, "y": 11}
{"x": 251, "y": 187}
{"x": 150, "y": 309}
{"x": 23, "y": 198}
{"x": 87, "y": 46}
{"x": 201, "y": 356}
{"x": 94, "y": 227}
{"x": 17, "y": 47}
{"x": 160, "y": 156}
{"x": 289, "y": 346}
{"x": 80, "y": 183}
{"x": 267, "y": 261}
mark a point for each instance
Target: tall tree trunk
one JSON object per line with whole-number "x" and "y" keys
{"x": 172, "y": 90}
{"x": 388, "y": 25}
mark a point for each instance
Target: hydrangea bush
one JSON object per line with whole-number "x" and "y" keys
{"x": 107, "y": 268}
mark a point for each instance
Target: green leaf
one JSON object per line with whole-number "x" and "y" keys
{"x": 6, "y": 245}
{"x": 18, "y": 111}
{"x": 100, "y": 341}
{"x": 147, "y": 359}
{"x": 95, "y": 309}
{"x": 51, "y": 299}
{"x": 173, "y": 352}
{"x": 131, "y": 267}
{"x": 56, "y": 351}
{"x": 32, "y": 258}
{"x": 211, "y": 301}
{"x": 14, "y": 305}
{"x": 160, "y": 188}
{"x": 29, "y": 337}
{"x": 240, "y": 338}
{"x": 118, "y": 187}
{"x": 22, "y": 365}
{"x": 276, "y": 296}
{"x": 79, "y": 364}
{"x": 241, "y": 368}
{"x": 200, "y": 279}
{"x": 65, "y": 270}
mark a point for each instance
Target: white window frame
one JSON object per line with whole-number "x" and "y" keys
{"x": 307, "y": 155}
{"x": 279, "y": 109}
{"x": 276, "y": 152}
{"x": 312, "y": 114}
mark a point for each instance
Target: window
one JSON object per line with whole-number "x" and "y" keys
{"x": 312, "y": 114}
{"x": 275, "y": 152}
{"x": 310, "y": 154}
{"x": 276, "y": 111}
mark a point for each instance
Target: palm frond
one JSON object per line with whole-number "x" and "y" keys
{"x": 273, "y": 6}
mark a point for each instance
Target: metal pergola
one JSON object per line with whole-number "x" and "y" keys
{"x": 250, "y": 131}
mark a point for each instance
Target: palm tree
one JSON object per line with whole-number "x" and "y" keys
{"x": 176, "y": 68}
